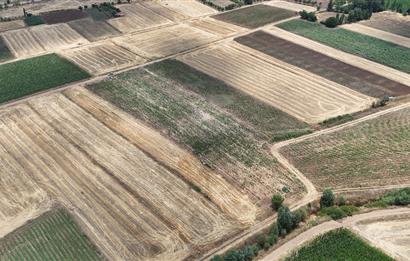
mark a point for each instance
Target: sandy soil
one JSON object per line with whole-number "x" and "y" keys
{"x": 354, "y": 60}
{"x": 102, "y": 57}
{"x": 267, "y": 79}
{"x": 41, "y": 39}
{"x": 386, "y": 36}
{"x": 391, "y": 22}
{"x": 190, "y": 8}
{"x": 170, "y": 14}
{"x": 165, "y": 41}
{"x": 12, "y": 25}
{"x": 217, "y": 27}
{"x": 290, "y": 6}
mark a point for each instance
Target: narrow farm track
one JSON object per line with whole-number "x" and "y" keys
{"x": 350, "y": 222}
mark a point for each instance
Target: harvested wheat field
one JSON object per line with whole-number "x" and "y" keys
{"x": 372, "y": 153}
{"x": 216, "y": 27}
{"x": 161, "y": 10}
{"x": 365, "y": 64}
{"x": 165, "y": 41}
{"x": 93, "y": 30}
{"x": 12, "y": 25}
{"x": 137, "y": 17}
{"x": 40, "y": 39}
{"x": 190, "y": 8}
{"x": 332, "y": 69}
{"x": 227, "y": 142}
{"x": 392, "y": 236}
{"x": 290, "y": 6}
{"x": 383, "y": 35}
{"x": 102, "y": 57}
{"x": 390, "y": 22}
{"x": 107, "y": 183}
{"x": 268, "y": 79}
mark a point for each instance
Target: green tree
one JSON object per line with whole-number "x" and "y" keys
{"x": 285, "y": 222}
{"x": 277, "y": 201}
{"x": 327, "y": 199}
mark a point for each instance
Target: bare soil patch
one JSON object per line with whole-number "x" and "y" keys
{"x": 216, "y": 27}
{"x": 93, "y": 30}
{"x": 164, "y": 11}
{"x": 63, "y": 16}
{"x": 12, "y": 25}
{"x": 391, "y": 22}
{"x": 190, "y": 8}
{"x": 290, "y": 6}
{"x": 332, "y": 69}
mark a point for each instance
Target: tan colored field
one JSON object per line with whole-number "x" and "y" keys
{"x": 43, "y": 38}
{"x": 391, "y": 22}
{"x": 386, "y": 36}
{"x": 132, "y": 207}
{"x": 392, "y": 236}
{"x": 351, "y": 59}
{"x": 283, "y": 86}
{"x": 190, "y": 8}
{"x": 12, "y": 25}
{"x": 102, "y": 57}
{"x": 137, "y": 17}
{"x": 170, "y": 14}
{"x": 165, "y": 41}
{"x": 216, "y": 26}
{"x": 290, "y": 6}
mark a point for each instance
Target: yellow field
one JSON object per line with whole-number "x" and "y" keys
{"x": 190, "y": 8}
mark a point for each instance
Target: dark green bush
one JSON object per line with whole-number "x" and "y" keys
{"x": 277, "y": 201}
{"x": 327, "y": 199}
{"x": 308, "y": 16}
{"x": 333, "y": 212}
{"x": 285, "y": 220}
{"x": 331, "y": 22}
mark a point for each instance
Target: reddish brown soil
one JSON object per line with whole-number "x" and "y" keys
{"x": 350, "y": 76}
{"x": 63, "y": 16}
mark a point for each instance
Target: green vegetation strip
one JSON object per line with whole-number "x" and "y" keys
{"x": 255, "y": 16}
{"x": 368, "y": 47}
{"x": 340, "y": 244}
{"x": 52, "y": 236}
{"x": 29, "y": 76}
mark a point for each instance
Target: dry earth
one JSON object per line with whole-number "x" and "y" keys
{"x": 12, "y": 25}
{"x": 192, "y": 8}
{"x": 102, "y": 57}
{"x": 217, "y": 27}
{"x": 290, "y": 6}
{"x": 386, "y": 36}
{"x": 268, "y": 79}
{"x": 170, "y": 14}
{"x": 354, "y": 60}
{"x": 40, "y": 39}
{"x": 93, "y": 30}
{"x": 391, "y": 22}
{"x": 165, "y": 41}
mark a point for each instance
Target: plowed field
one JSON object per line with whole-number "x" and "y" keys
{"x": 190, "y": 8}
{"x": 373, "y": 153}
{"x": 165, "y": 41}
{"x": 128, "y": 204}
{"x": 279, "y": 84}
{"x": 332, "y": 69}
{"x": 93, "y": 30}
{"x": 102, "y": 58}
{"x": 216, "y": 27}
{"x": 164, "y": 11}
{"x": 390, "y": 22}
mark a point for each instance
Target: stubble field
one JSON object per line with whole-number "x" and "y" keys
{"x": 390, "y": 22}
{"x": 374, "y": 153}
{"x": 252, "y": 72}
{"x": 330, "y": 68}
{"x": 93, "y": 30}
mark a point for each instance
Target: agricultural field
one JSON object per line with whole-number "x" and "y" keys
{"x": 372, "y": 153}
{"x": 137, "y": 17}
{"x": 216, "y": 27}
{"x": 63, "y": 16}
{"x": 107, "y": 182}
{"x": 40, "y": 39}
{"x": 190, "y": 8}
{"x": 255, "y": 16}
{"x": 5, "y": 53}
{"x": 164, "y": 11}
{"x": 32, "y": 75}
{"x": 290, "y": 6}
{"x": 93, "y": 30}
{"x": 332, "y": 69}
{"x": 223, "y": 135}
{"x": 12, "y": 25}
{"x": 52, "y": 236}
{"x": 221, "y": 4}
{"x": 371, "y": 48}
{"x": 102, "y": 58}
{"x": 390, "y": 22}
{"x": 266, "y": 79}
{"x": 393, "y": 236}
{"x": 339, "y": 244}
{"x": 165, "y": 41}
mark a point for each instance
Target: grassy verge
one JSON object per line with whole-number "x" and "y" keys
{"x": 339, "y": 244}
{"x": 255, "y": 16}
{"x": 52, "y": 236}
{"x": 368, "y": 47}
{"x": 33, "y": 20}
{"x": 36, "y": 74}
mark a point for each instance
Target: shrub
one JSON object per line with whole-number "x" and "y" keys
{"x": 327, "y": 199}
{"x": 341, "y": 200}
{"x": 308, "y": 16}
{"x": 349, "y": 209}
{"x": 285, "y": 220}
{"x": 260, "y": 241}
{"x": 330, "y": 22}
{"x": 333, "y": 212}
{"x": 277, "y": 201}
{"x": 217, "y": 258}
{"x": 358, "y": 14}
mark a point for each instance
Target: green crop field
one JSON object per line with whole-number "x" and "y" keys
{"x": 5, "y": 53}
{"x": 373, "y": 153}
{"x": 255, "y": 16}
{"x": 52, "y": 236}
{"x": 26, "y": 77}
{"x": 199, "y": 112}
{"x": 371, "y": 48}
{"x": 338, "y": 245}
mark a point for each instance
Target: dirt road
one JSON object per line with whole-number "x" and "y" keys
{"x": 350, "y": 223}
